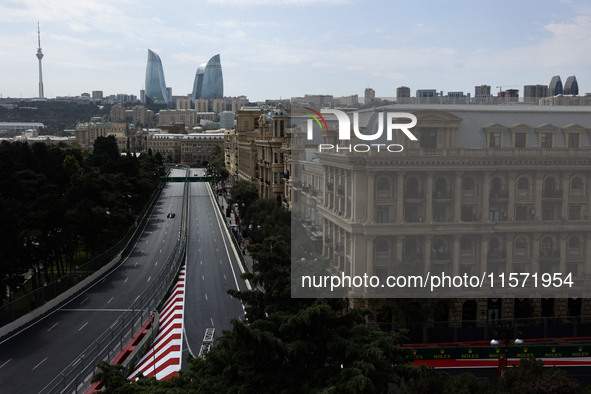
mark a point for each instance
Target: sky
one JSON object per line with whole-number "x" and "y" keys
{"x": 286, "y": 48}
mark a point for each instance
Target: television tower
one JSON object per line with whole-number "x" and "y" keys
{"x": 40, "y": 56}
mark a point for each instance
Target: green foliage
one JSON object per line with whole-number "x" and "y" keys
{"x": 243, "y": 192}
{"x": 426, "y": 380}
{"x": 530, "y": 377}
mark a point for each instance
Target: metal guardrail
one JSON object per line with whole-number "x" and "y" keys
{"x": 76, "y": 377}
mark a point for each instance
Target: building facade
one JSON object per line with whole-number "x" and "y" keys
{"x": 483, "y": 190}
{"x": 87, "y": 133}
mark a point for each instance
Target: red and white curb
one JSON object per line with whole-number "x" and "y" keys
{"x": 163, "y": 358}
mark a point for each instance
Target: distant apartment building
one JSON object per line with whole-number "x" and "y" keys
{"x": 403, "y": 91}
{"x": 427, "y": 93}
{"x": 118, "y": 113}
{"x": 183, "y": 103}
{"x": 87, "y": 133}
{"x": 535, "y": 91}
{"x": 170, "y": 116}
{"x": 482, "y": 91}
{"x": 97, "y": 95}
{"x": 347, "y": 101}
{"x": 508, "y": 95}
{"x": 141, "y": 114}
{"x": 319, "y": 100}
{"x": 202, "y": 105}
{"x": 227, "y": 120}
{"x": 369, "y": 95}
{"x": 455, "y": 94}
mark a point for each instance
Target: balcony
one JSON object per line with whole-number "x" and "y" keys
{"x": 441, "y": 256}
{"x": 442, "y": 195}
{"x": 550, "y": 253}
{"x": 551, "y": 193}
{"x": 498, "y": 194}
{"x": 340, "y": 190}
{"x": 330, "y": 187}
{"x": 339, "y": 248}
{"x": 328, "y": 241}
{"x": 498, "y": 255}
{"x": 413, "y": 194}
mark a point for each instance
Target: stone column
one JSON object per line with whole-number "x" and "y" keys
{"x": 485, "y": 196}
{"x": 484, "y": 253}
{"x": 427, "y": 257}
{"x": 457, "y": 197}
{"x": 565, "y": 193}
{"x": 347, "y": 194}
{"x": 563, "y": 237}
{"x": 370, "y": 197}
{"x": 510, "y": 251}
{"x": 536, "y": 254}
{"x": 370, "y": 254}
{"x": 400, "y": 196}
{"x": 538, "y": 194}
{"x": 429, "y": 197}
{"x": 456, "y": 255}
{"x": 399, "y": 247}
{"x": 511, "y": 206}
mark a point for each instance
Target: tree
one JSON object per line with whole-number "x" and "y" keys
{"x": 426, "y": 380}
{"x": 530, "y": 377}
{"x": 243, "y": 192}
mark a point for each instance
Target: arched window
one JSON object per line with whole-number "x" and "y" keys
{"x": 495, "y": 185}
{"x": 383, "y": 184}
{"x": 440, "y": 185}
{"x": 494, "y": 246}
{"x": 574, "y": 242}
{"x": 549, "y": 185}
{"x": 576, "y": 183}
{"x": 412, "y": 188}
{"x": 520, "y": 243}
{"x": 523, "y": 183}
{"x": 546, "y": 247}
{"x": 468, "y": 184}
{"x": 382, "y": 246}
{"x": 410, "y": 247}
{"x": 466, "y": 244}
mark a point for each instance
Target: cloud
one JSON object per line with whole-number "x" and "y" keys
{"x": 320, "y": 65}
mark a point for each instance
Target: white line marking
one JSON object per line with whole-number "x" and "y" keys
{"x": 148, "y": 280}
{"x": 103, "y": 280}
{"x": 156, "y": 264}
{"x": 163, "y": 240}
{"x": 206, "y": 297}
{"x": 211, "y": 321}
{"x": 110, "y": 300}
{"x": 5, "y": 363}
{"x": 83, "y": 301}
{"x": 40, "y": 363}
{"x": 202, "y": 277}
{"x": 83, "y": 326}
{"x": 160, "y": 250}
{"x": 135, "y": 264}
{"x": 49, "y": 329}
{"x": 224, "y": 276}
{"x": 125, "y": 280}
{"x": 201, "y": 262}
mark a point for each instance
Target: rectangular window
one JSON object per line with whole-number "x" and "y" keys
{"x": 428, "y": 138}
{"x": 439, "y": 214}
{"x": 573, "y": 141}
{"x": 548, "y": 213}
{"x": 276, "y": 177}
{"x": 572, "y": 268}
{"x": 467, "y": 214}
{"x": 411, "y": 215}
{"x": 494, "y": 214}
{"x": 494, "y": 140}
{"x": 276, "y": 157}
{"x": 521, "y": 212}
{"x": 574, "y": 212}
{"x": 520, "y": 140}
{"x": 382, "y": 216}
{"x": 281, "y": 127}
{"x": 546, "y": 140}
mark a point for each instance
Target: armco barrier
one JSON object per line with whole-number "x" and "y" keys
{"x": 76, "y": 377}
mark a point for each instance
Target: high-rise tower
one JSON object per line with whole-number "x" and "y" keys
{"x": 156, "y": 91}
{"x": 40, "y": 56}
{"x": 209, "y": 81}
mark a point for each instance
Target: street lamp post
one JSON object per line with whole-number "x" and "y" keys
{"x": 507, "y": 340}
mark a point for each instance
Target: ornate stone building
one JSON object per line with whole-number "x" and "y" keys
{"x": 484, "y": 189}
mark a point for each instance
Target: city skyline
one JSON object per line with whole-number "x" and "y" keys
{"x": 295, "y": 47}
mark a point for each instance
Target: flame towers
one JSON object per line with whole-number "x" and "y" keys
{"x": 155, "y": 84}
{"x": 209, "y": 81}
